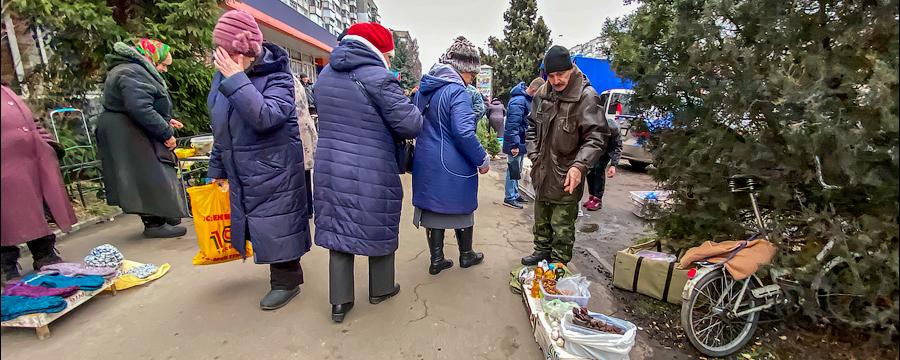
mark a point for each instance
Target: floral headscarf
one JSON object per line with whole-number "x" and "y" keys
{"x": 153, "y": 50}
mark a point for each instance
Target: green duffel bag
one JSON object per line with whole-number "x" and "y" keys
{"x": 659, "y": 279}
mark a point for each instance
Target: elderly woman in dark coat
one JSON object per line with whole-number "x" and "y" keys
{"x": 135, "y": 136}
{"x": 358, "y": 195}
{"x": 31, "y": 187}
{"x": 258, "y": 152}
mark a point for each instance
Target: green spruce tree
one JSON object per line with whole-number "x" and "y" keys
{"x": 83, "y": 32}
{"x": 771, "y": 88}
{"x": 517, "y": 57}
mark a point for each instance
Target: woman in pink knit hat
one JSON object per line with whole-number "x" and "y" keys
{"x": 258, "y": 152}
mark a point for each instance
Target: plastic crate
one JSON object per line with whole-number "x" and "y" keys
{"x": 643, "y": 207}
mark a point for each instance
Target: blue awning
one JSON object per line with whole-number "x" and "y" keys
{"x": 289, "y": 16}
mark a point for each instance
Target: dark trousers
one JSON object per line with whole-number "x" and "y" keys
{"x": 286, "y": 275}
{"x": 340, "y": 268}
{"x": 596, "y": 178}
{"x": 41, "y": 248}
{"x": 153, "y": 221}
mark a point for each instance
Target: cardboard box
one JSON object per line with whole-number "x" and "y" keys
{"x": 655, "y": 278}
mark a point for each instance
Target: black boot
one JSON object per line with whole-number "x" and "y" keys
{"x": 43, "y": 252}
{"x": 467, "y": 257}
{"x": 436, "y": 247}
{"x": 535, "y": 258}
{"x": 338, "y": 312}
{"x": 9, "y": 263}
{"x": 375, "y": 300}
{"x": 157, "y": 227}
{"x": 285, "y": 279}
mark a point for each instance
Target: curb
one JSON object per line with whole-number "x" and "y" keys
{"x": 23, "y": 248}
{"x": 603, "y": 261}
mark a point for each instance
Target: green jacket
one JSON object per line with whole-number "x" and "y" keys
{"x": 565, "y": 129}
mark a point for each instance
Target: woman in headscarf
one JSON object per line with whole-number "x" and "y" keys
{"x": 258, "y": 154}
{"x": 135, "y": 136}
{"x": 448, "y": 156}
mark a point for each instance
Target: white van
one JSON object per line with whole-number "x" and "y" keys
{"x": 617, "y": 103}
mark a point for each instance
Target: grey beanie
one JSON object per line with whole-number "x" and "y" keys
{"x": 462, "y": 56}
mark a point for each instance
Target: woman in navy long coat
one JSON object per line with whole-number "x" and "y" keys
{"x": 258, "y": 150}
{"x": 358, "y": 195}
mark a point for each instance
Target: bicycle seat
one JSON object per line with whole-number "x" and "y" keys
{"x": 744, "y": 183}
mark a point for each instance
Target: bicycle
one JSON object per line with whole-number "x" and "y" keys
{"x": 720, "y": 315}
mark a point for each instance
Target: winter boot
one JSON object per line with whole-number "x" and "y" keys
{"x": 436, "y": 247}
{"x": 275, "y": 298}
{"x": 338, "y": 312}
{"x": 43, "y": 252}
{"x": 467, "y": 257}
{"x": 164, "y": 231}
{"x": 9, "y": 263}
{"x": 375, "y": 300}
{"x": 535, "y": 258}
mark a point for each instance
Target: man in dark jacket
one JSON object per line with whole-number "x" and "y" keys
{"x": 514, "y": 136}
{"x": 310, "y": 89}
{"x": 596, "y": 178}
{"x": 357, "y": 194}
{"x": 566, "y": 136}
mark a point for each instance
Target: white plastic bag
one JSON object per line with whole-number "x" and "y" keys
{"x": 573, "y": 286}
{"x": 597, "y": 345}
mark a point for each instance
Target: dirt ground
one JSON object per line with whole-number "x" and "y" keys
{"x": 660, "y": 336}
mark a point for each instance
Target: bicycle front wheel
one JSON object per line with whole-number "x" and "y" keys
{"x": 707, "y": 319}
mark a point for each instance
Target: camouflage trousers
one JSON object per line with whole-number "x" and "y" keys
{"x": 554, "y": 229}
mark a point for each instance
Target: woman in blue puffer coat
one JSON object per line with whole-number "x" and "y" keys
{"x": 258, "y": 153}
{"x": 448, "y": 156}
{"x": 358, "y": 195}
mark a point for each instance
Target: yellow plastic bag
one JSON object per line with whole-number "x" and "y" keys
{"x": 212, "y": 220}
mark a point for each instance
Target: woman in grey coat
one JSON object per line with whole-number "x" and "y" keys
{"x": 135, "y": 136}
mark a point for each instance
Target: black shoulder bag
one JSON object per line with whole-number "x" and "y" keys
{"x": 403, "y": 148}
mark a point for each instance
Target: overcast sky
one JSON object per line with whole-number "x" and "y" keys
{"x": 435, "y": 23}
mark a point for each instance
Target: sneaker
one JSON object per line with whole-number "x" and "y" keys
{"x": 588, "y": 202}
{"x": 522, "y": 200}
{"x": 595, "y": 204}
{"x": 513, "y": 204}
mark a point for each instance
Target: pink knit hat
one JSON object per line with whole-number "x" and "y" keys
{"x": 238, "y": 33}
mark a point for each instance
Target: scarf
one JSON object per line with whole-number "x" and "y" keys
{"x": 153, "y": 50}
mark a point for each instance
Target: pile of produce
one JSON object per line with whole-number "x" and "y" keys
{"x": 583, "y": 319}
{"x": 549, "y": 286}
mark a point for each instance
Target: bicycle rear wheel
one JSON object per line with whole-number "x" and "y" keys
{"x": 706, "y": 320}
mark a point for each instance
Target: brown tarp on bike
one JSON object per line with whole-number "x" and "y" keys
{"x": 740, "y": 262}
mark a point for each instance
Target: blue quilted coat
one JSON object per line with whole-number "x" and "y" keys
{"x": 257, "y": 148}
{"x": 362, "y": 110}
{"x": 448, "y": 154}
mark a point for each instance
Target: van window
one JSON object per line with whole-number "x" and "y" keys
{"x": 620, "y": 99}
